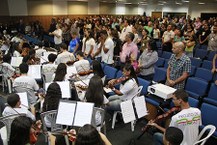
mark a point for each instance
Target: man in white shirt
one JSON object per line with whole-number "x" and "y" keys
{"x": 57, "y": 36}
{"x": 82, "y": 65}
{"x": 13, "y": 107}
{"x": 188, "y": 120}
{"x": 107, "y": 48}
{"x": 64, "y": 56}
{"x": 25, "y": 83}
{"x": 125, "y": 30}
{"x": 167, "y": 39}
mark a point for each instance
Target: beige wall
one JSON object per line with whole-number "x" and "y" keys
{"x": 40, "y": 7}
{"x": 17, "y": 7}
{"x": 4, "y": 11}
{"x": 131, "y": 9}
{"x": 107, "y": 8}
{"x": 77, "y": 8}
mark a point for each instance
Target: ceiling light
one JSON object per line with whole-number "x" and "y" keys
{"x": 201, "y": 3}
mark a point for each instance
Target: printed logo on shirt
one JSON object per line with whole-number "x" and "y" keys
{"x": 185, "y": 121}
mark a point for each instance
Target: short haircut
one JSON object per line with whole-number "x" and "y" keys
{"x": 63, "y": 46}
{"x": 52, "y": 57}
{"x": 181, "y": 94}
{"x": 24, "y": 68}
{"x": 174, "y": 135}
{"x": 80, "y": 53}
{"x": 13, "y": 99}
{"x": 131, "y": 36}
{"x": 104, "y": 32}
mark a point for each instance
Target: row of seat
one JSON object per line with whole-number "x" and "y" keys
{"x": 196, "y": 87}
{"x": 199, "y": 53}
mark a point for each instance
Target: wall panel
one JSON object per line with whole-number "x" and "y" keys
{"x": 80, "y": 8}
{"x": 40, "y": 7}
{"x": 107, "y": 8}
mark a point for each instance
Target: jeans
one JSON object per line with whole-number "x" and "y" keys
{"x": 158, "y": 138}
{"x": 114, "y": 103}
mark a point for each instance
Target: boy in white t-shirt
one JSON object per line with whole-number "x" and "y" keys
{"x": 188, "y": 120}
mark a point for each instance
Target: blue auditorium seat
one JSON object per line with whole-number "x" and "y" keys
{"x": 195, "y": 61}
{"x": 211, "y": 55}
{"x": 203, "y": 74}
{"x": 209, "y": 116}
{"x": 201, "y": 53}
{"x": 166, "y": 55}
{"x": 110, "y": 72}
{"x": 212, "y": 95}
{"x": 196, "y": 88}
{"x": 145, "y": 85}
{"x": 193, "y": 102}
{"x": 159, "y": 75}
{"x": 166, "y": 63}
{"x": 193, "y": 70}
{"x": 160, "y": 62}
{"x": 207, "y": 64}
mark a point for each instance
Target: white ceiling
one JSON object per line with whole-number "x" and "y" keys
{"x": 163, "y": 2}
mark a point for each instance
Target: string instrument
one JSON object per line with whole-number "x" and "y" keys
{"x": 84, "y": 73}
{"x": 81, "y": 87}
{"x": 111, "y": 84}
{"x": 162, "y": 117}
{"x": 71, "y": 134}
{"x": 33, "y": 137}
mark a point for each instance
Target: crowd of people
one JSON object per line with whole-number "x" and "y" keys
{"x": 129, "y": 44}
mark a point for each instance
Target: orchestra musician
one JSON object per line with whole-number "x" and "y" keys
{"x": 128, "y": 88}
{"x": 24, "y": 131}
{"x": 64, "y": 56}
{"x": 188, "y": 120}
{"x": 82, "y": 65}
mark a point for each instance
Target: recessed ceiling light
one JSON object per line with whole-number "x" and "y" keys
{"x": 186, "y": 1}
{"x": 201, "y": 3}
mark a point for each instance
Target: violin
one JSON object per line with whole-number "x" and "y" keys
{"x": 111, "y": 84}
{"x": 71, "y": 134}
{"x": 69, "y": 63}
{"x": 84, "y": 73}
{"x": 81, "y": 87}
{"x": 162, "y": 117}
{"x": 34, "y": 134}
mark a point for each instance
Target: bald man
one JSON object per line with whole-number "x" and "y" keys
{"x": 179, "y": 67}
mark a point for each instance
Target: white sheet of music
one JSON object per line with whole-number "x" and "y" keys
{"x": 140, "y": 106}
{"x": 70, "y": 71}
{"x": 16, "y": 61}
{"x": 35, "y": 71}
{"x": 83, "y": 113}
{"x": 24, "y": 100}
{"x": 127, "y": 111}
{"x": 66, "y": 112}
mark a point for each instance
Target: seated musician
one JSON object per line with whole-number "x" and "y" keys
{"x": 97, "y": 70}
{"x": 64, "y": 56}
{"x": 14, "y": 107}
{"x": 60, "y": 74}
{"x": 188, "y": 120}
{"x": 173, "y": 136}
{"x": 128, "y": 88}
{"x": 82, "y": 65}
{"x": 95, "y": 94}
{"x": 49, "y": 69}
{"x": 7, "y": 70}
{"x": 25, "y": 83}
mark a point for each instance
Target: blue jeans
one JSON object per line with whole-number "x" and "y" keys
{"x": 158, "y": 138}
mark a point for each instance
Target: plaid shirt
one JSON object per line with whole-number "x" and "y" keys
{"x": 177, "y": 67}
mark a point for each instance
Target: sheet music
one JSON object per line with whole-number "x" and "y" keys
{"x": 127, "y": 111}
{"x": 140, "y": 106}
{"x": 107, "y": 90}
{"x": 66, "y": 111}
{"x": 35, "y": 71}
{"x": 65, "y": 88}
{"x": 24, "y": 100}
{"x": 70, "y": 70}
{"x": 83, "y": 114}
{"x": 16, "y": 61}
